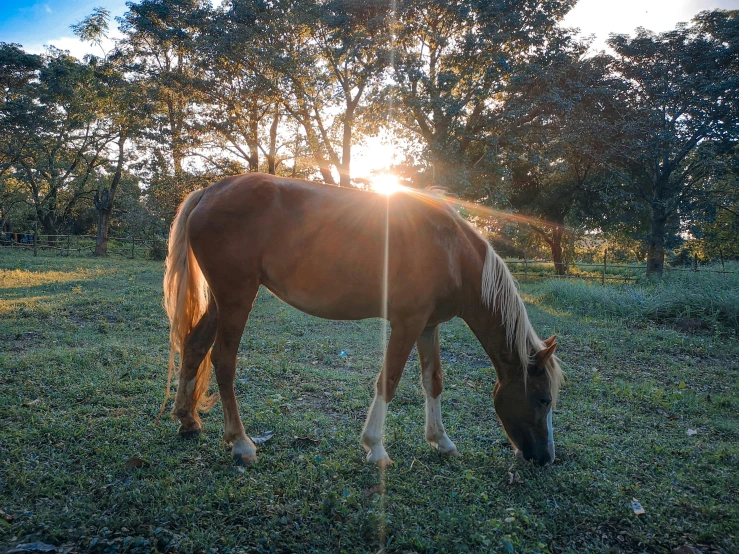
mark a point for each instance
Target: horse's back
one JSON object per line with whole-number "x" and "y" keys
{"x": 322, "y": 248}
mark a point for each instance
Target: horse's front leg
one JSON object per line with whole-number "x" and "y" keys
{"x": 428, "y": 353}
{"x": 402, "y": 337}
{"x": 193, "y": 378}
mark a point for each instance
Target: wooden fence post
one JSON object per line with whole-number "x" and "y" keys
{"x": 68, "y": 240}
{"x": 133, "y": 245}
{"x": 525, "y": 267}
{"x": 695, "y": 262}
{"x": 605, "y": 267}
{"x": 35, "y": 239}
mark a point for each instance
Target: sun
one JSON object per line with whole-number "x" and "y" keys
{"x": 386, "y": 183}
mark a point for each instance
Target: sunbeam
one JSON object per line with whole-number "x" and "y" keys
{"x": 386, "y": 183}
{"x": 436, "y": 196}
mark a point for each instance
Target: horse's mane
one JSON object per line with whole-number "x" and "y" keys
{"x": 500, "y": 290}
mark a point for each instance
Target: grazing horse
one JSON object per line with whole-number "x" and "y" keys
{"x": 343, "y": 253}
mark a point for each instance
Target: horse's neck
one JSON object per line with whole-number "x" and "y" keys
{"x": 487, "y": 325}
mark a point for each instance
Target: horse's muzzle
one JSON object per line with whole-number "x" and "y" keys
{"x": 541, "y": 454}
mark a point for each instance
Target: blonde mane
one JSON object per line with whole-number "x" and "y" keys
{"x": 500, "y": 291}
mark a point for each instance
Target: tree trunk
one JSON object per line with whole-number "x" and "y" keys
{"x": 104, "y": 203}
{"x": 344, "y": 176}
{"x": 325, "y": 169}
{"x": 656, "y": 243}
{"x": 557, "y": 251}
{"x": 448, "y": 174}
{"x": 345, "y": 169}
{"x": 49, "y": 228}
{"x": 101, "y": 241}
{"x": 272, "y": 157}
{"x": 253, "y": 139}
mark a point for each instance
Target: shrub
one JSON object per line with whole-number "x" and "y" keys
{"x": 157, "y": 249}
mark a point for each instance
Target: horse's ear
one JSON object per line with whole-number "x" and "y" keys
{"x": 550, "y": 340}
{"x": 543, "y": 356}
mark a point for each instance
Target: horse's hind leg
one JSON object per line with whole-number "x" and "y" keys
{"x": 428, "y": 352}
{"x": 197, "y": 344}
{"x": 233, "y": 311}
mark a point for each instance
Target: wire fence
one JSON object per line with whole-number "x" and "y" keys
{"x": 606, "y": 271}
{"x": 155, "y": 248}
{"x": 83, "y": 245}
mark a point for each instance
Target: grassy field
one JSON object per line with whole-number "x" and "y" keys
{"x": 650, "y": 412}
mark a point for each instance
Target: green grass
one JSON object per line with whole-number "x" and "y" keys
{"x": 709, "y": 301}
{"x": 82, "y": 367}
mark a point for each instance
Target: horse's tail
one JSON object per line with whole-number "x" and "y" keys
{"x": 186, "y": 301}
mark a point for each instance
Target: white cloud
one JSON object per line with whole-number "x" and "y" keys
{"x": 695, "y": 6}
{"x": 623, "y": 17}
{"x": 73, "y": 45}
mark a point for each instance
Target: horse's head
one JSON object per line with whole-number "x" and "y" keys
{"x": 524, "y": 407}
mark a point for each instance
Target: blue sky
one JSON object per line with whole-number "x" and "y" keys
{"x": 35, "y": 23}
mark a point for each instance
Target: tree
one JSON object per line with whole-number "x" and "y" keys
{"x": 549, "y": 144}
{"x": 17, "y": 72}
{"x": 452, "y": 66}
{"x": 123, "y": 112}
{"x": 317, "y": 59}
{"x": 680, "y": 110}
{"x": 352, "y": 40}
{"x": 714, "y": 224}
{"x": 160, "y": 38}
{"x": 63, "y": 144}
{"x": 241, "y": 89}
{"x": 126, "y": 111}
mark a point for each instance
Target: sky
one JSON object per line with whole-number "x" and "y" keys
{"x": 602, "y": 17}
{"x": 37, "y": 23}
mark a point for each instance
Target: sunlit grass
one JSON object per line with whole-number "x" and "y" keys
{"x": 21, "y": 278}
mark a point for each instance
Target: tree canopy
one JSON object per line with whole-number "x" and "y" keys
{"x": 494, "y": 101}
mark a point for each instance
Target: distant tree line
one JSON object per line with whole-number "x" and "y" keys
{"x": 492, "y": 100}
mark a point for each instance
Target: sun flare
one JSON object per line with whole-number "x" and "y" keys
{"x": 386, "y": 183}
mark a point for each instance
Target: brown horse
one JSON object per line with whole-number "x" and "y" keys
{"x": 342, "y": 253}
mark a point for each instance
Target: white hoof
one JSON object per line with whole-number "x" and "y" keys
{"x": 379, "y": 457}
{"x": 452, "y": 452}
{"x": 444, "y": 446}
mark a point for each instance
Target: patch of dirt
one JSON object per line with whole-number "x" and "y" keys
{"x": 691, "y": 325}
{"x": 326, "y": 402}
{"x": 614, "y": 536}
{"x": 21, "y": 342}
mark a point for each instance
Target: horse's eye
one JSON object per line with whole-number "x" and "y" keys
{"x": 543, "y": 401}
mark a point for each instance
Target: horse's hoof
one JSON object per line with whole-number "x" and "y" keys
{"x": 451, "y": 452}
{"x": 444, "y": 447}
{"x": 384, "y": 463}
{"x": 189, "y": 433}
{"x": 382, "y": 459}
{"x": 244, "y": 459}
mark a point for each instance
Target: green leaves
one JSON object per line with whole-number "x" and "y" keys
{"x": 94, "y": 27}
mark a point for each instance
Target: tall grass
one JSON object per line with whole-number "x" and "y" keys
{"x": 713, "y": 298}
